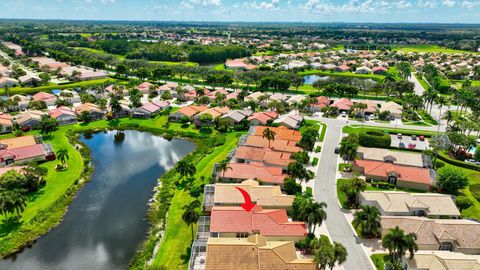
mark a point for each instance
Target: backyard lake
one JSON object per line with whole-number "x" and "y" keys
{"x": 106, "y": 223}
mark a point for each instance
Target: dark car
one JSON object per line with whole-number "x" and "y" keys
{"x": 336, "y": 150}
{"x": 414, "y": 137}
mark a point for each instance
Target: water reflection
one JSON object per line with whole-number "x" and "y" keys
{"x": 106, "y": 222}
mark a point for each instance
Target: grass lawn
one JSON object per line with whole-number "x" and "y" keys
{"x": 342, "y": 197}
{"x": 323, "y": 132}
{"x": 379, "y": 260}
{"x": 174, "y": 251}
{"x": 32, "y": 90}
{"x": 357, "y": 129}
{"x": 427, "y": 48}
{"x": 428, "y": 117}
{"x": 422, "y": 82}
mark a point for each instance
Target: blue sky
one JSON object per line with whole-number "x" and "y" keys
{"x": 445, "y": 11}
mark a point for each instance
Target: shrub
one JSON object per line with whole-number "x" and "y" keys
{"x": 463, "y": 202}
{"x": 374, "y": 139}
{"x": 315, "y": 161}
{"x": 318, "y": 149}
{"x": 301, "y": 157}
{"x": 451, "y": 179}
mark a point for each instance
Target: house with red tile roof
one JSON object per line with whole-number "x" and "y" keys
{"x": 342, "y": 68}
{"x": 48, "y": 98}
{"x": 25, "y": 154}
{"x": 240, "y": 63}
{"x": 400, "y": 175}
{"x": 269, "y": 157}
{"x": 64, "y": 115}
{"x": 187, "y": 111}
{"x": 281, "y": 133}
{"x": 320, "y": 103}
{"x": 234, "y": 221}
{"x": 6, "y": 81}
{"x": 6, "y": 124}
{"x": 215, "y": 112}
{"x": 380, "y": 70}
{"x": 277, "y": 144}
{"x": 145, "y": 87}
{"x": 343, "y": 104}
{"x": 262, "y": 118}
{"x": 237, "y": 172}
{"x": 150, "y": 108}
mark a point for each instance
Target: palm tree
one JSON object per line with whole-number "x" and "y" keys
{"x": 388, "y": 78}
{"x": 63, "y": 156}
{"x": 397, "y": 243}
{"x": 448, "y": 116}
{"x": 269, "y": 135}
{"x": 441, "y": 101}
{"x": 348, "y": 150}
{"x": 339, "y": 255}
{"x": 185, "y": 169}
{"x": 297, "y": 171}
{"x": 190, "y": 214}
{"x": 307, "y": 142}
{"x": 314, "y": 214}
{"x": 352, "y": 188}
{"x": 367, "y": 221}
{"x": 223, "y": 166}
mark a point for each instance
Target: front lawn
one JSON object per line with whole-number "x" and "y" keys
{"x": 379, "y": 260}
{"x": 359, "y": 128}
{"x": 342, "y": 197}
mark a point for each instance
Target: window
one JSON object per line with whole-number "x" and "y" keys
{"x": 242, "y": 235}
{"x": 446, "y": 246}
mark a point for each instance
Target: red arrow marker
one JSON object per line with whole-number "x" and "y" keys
{"x": 248, "y": 205}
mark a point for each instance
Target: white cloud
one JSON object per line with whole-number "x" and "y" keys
{"x": 403, "y": 4}
{"x": 470, "y": 4}
{"x": 207, "y": 2}
{"x": 428, "y": 3}
{"x": 273, "y": 5}
{"x": 448, "y": 3}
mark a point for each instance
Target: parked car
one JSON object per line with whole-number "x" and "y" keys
{"x": 372, "y": 117}
{"x": 401, "y": 145}
{"x": 473, "y": 161}
{"x": 412, "y": 146}
{"x": 421, "y": 138}
{"x": 344, "y": 114}
{"x": 399, "y": 136}
{"x": 414, "y": 137}
{"x": 336, "y": 150}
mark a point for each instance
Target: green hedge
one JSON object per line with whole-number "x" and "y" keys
{"x": 459, "y": 163}
{"x": 374, "y": 139}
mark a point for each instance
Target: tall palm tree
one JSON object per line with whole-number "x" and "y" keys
{"x": 397, "y": 243}
{"x": 339, "y": 255}
{"x": 63, "y": 156}
{"x": 190, "y": 214}
{"x": 269, "y": 135}
{"x": 441, "y": 101}
{"x": 352, "y": 188}
{"x": 223, "y": 166}
{"x": 448, "y": 116}
{"x": 367, "y": 221}
{"x": 314, "y": 214}
{"x": 388, "y": 78}
{"x": 348, "y": 150}
{"x": 297, "y": 171}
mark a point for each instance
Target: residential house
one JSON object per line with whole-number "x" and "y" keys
{"x": 290, "y": 120}
{"x": 187, "y": 111}
{"x": 269, "y": 197}
{"x": 240, "y": 63}
{"x": 21, "y": 150}
{"x": 64, "y": 115}
{"x": 458, "y": 235}
{"x": 363, "y": 70}
{"x": 71, "y": 96}
{"x": 168, "y": 87}
{"x": 277, "y": 144}
{"x": 48, "y": 98}
{"x": 236, "y": 116}
{"x": 6, "y": 124}
{"x": 95, "y": 112}
{"x": 22, "y": 103}
{"x": 269, "y": 157}
{"x": 273, "y": 224}
{"x": 394, "y": 109}
{"x": 296, "y": 99}
{"x": 399, "y": 175}
{"x": 145, "y": 87}
{"x": 254, "y": 96}
{"x": 15, "y": 47}
{"x": 379, "y": 71}
{"x": 278, "y": 97}
{"x": 18, "y": 169}
{"x": 149, "y": 108}
{"x": 397, "y": 203}
{"x": 372, "y": 107}
{"x": 215, "y": 112}
{"x": 254, "y": 253}
{"x": 343, "y": 104}
{"x": 262, "y": 118}
{"x": 30, "y": 80}
{"x": 29, "y": 119}
{"x": 238, "y": 172}
{"x": 281, "y": 133}
{"x": 320, "y": 103}
{"x": 396, "y": 157}
{"x": 342, "y": 68}
{"x": 125, "y": 109}
{"x": 7, "y": 82}
{"x": 441, "y": 260}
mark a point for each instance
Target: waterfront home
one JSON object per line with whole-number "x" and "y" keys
{"x": 125, "y": 109}
{"x": 188, "y": 112}
{"x": 21, "y": 150}
{"x": 236, "y": 116}
{"x": 222, "y": 194}
{"x": 29, "y": 119}
{"x": 441, "y": 260}
{"x": 273, "y": 224}
{"x": 239, "y": 63}
{"x": 254, "y": 253}
{"x": 149, "y": 108}
{"x": 238, "y": 172}
{"x": 94, "y": 110}
{"x": 6, "y": 124}
{"x": 458, "y": 235}
{"x": 215, "y": 112}
{"x": 398, "y": 203}
{"x": 64, "y": 115}
{"x": 48, "y": 98}
{"x": 399, "y": 175}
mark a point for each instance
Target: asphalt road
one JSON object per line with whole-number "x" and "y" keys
{"x": 325, "y": 191}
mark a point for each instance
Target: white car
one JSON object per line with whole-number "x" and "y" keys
{"x": 344, "y": 114}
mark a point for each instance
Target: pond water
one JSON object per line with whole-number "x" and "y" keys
{"x": 310, "y": 79}
{"x": 106, "y": 223}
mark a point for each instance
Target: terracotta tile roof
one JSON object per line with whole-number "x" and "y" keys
{"x": 263, "y": 117}
{"x": 403, "y": 173}
{"x": 254, "y": 253}
{"x": 281, "y": 133}
{"x": 61, "y": 111}
{"x": 191, "y": 110}
{"x": 371, "y": 106}
{"x": 144, "y": 86}
{"x": 269, "y": 196}
{"x": 322, "y": 101}
{"x": 43, "y": 96}
{"x": 215, "y": 111}
{"x": 22, "y": 153}
{"x": 17, "y": 142}
{"x": 464, "y": 233}
{"x": 268, "y": 222}
{"x": 343, "y": 104}
{"x": 265, "y": 155}
{"x": 243, "y": 171}
{"x": 5, "y": 119}
{"x": 278, "y": 145}
{"x": 88, "y": 107}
